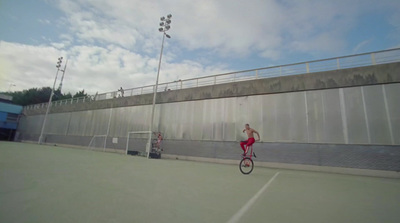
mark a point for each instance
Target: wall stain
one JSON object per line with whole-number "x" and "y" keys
{"x": 319, "y": 84}
{"x": 332, "y": 83}
{"x": 277, "y": 86}
{"x": 363, "y": 79}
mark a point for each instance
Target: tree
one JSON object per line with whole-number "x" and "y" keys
{"x": 80, "y": 94}
{"x": 31, "y": 96}
{"x": 40, "y": 95}
{"x": 59, "y": 96}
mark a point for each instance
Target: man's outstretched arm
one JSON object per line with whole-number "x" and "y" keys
{"x": 257, "y": 135}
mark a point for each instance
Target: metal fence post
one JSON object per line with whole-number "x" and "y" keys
{"x": 338, "y": 64}
{"x": 373, "y": 59}
{"x": 308, "y": 67}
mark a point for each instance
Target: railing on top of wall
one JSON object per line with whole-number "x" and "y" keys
{"x": 344, "y": 62}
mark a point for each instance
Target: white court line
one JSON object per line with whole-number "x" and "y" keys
{"x": 247, "y": 206}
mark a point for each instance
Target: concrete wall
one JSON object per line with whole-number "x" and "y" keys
{"x": 346, "y": 118}
{"x": 358, "y": 115}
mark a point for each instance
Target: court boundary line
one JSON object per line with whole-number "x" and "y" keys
{"x": 236, "y": 217}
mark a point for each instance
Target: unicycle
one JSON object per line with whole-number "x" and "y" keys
{"x": 246, "y": 165}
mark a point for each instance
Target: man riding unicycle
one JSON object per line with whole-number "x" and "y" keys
{"x": 250, "y": 135}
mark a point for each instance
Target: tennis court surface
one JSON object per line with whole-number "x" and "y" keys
{"x": 54, "y": 184}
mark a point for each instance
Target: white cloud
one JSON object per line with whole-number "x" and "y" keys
{"x": 360, "y": 46}
{"x": 225, "y": 27}
{"x": 92, "y": 68}
{"x": 394, "y": 20}
{"x": 28, "y": 66}
{"x": 44, "y": 21}
{"x": 90, "y": 22}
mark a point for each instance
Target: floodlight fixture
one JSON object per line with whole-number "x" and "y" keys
{"x": 168, "y": 36}
{"x": 162, "y": 18}
{"x": 169, "y": 16}
{"x": 161, "y": 29}
{"x": 162, "y": 23}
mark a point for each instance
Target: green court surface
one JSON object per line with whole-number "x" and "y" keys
{"x": 55, "y": 184}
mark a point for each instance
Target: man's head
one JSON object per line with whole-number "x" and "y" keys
{"x": 247, "y": 126}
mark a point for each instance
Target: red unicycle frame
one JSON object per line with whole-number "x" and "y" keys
{"x": 246, "y": 165}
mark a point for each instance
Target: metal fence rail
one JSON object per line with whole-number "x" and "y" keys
{"x": 352, "y": 61}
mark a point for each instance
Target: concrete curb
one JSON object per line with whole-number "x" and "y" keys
{"x": 324, "y": 169}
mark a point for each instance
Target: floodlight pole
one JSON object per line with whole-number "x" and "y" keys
{"x": 62, "y": 77}
{"x": 49, "y": 104}
{"x": 11, "y": 85}
{"x": 163, "y": 29}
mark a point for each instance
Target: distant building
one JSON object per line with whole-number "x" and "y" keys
{"x": 9, "y": 117}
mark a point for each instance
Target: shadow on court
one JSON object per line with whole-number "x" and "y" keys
{"x": 55, "y": 184}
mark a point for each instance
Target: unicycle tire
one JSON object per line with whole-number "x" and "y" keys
{"x": 246, "y": 165}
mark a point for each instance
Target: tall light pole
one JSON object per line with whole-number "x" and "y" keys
{"x": 11, "y": 85}
{"x": 164, "y": 27}
{"x": 49, "y": 104}
{"x": 62, "y": 77}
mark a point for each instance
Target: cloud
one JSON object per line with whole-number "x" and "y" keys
{"x": 395, "y": 34}
{"x": 361, "y": 45}
{"x": 226, "y": 28}
{"x": 28, "y": 66}
{"x": 90, "y": 23}
{"x": 44, "y": 21}
{"x": 229, "y": 29}
{"x": 92, "y": 68}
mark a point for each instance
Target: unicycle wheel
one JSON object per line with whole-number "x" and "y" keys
{"x": 246, "y": 165}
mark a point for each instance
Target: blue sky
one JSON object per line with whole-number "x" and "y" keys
{"x": 116, "y": 43}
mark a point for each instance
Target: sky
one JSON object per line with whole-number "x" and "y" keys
{"x": 113, "y": 44}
